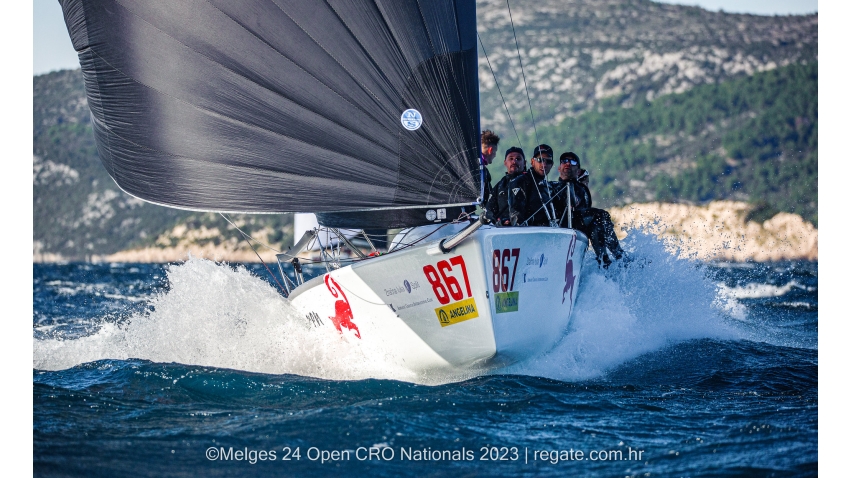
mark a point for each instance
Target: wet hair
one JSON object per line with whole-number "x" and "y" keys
{"x": 489, "y": 138}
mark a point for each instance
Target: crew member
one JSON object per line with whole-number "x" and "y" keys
{"x": 539, "y": 190}
{"x": 593, "y": 222}
{"x": 489, "y": 146}
{"x": 508, "y": 201}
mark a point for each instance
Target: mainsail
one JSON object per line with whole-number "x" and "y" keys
{"x": 284, "y": 105}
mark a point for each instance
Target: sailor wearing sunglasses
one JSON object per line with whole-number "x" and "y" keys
{"x": 593, "y": 222}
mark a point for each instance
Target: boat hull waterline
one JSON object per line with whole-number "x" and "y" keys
{"x": 502, "y": 295}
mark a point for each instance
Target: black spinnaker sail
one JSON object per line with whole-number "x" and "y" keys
{"x": 284, "y": 105}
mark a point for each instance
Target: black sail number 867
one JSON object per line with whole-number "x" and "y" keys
{"x": 503, "y": 276}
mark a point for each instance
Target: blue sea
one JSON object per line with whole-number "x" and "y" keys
{"x": 669, "y": 367}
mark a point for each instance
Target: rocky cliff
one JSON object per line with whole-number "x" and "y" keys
{"x": 721, "y": 231}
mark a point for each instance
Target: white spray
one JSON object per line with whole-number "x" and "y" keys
{"x": 213, "y": 315}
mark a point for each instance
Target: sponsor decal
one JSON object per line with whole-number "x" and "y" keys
{"x": 408, "y": 286}
{"x": 411, "y": 119}
{"x": 435, "y": 215}
{"x": 343, "y": 316}
{"x": 507, "y": 302}
{"x": 457, "y": 312}
{"x": 538, "y": 261}
{"x": 569, "y": 277}
{"x": 424, "y": 301}
{"x": 525, "y": 278}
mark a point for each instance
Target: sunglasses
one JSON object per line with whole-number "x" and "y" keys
{"x": 540, "y": 160}
{"x": 571, "y": 162}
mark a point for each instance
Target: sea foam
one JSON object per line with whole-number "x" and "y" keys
{"x": 657, "y": 300}
{"x": 217, "y": 316}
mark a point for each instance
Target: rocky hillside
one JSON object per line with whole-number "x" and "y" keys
{"x": 577, "y": 53}
{"x": 590, "y": 60}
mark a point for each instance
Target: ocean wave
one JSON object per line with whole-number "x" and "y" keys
{"x": 759, "y": 291}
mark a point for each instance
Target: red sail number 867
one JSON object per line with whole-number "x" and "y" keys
{"x": 446, "y": 287}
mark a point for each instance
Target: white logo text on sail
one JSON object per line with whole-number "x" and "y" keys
{"x": 411, "y": 119}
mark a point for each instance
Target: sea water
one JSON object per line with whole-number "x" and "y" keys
{"x": 669, "y": 367}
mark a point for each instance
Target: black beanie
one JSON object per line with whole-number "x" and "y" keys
{"x": 514, "y": 149}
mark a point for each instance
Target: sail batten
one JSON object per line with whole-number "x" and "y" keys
{"x": 283, "y": 106}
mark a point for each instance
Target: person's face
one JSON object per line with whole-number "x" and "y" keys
{"x": 542, "y": 168}
{"x": 514, "y": 163}
{"x": 488, "y": 152}
{"x": 569, "y": 168}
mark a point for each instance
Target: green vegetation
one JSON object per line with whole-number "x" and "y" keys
{"x": 751, "y": 139}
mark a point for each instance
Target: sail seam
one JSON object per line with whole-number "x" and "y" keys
{"x": 363, "y": 111}
{"x": 446, "y": 55}
{"x": 362, "y": 85}
{"x": 364, "y": 51}
{"x": 217, "y": 115}
{"x": 277, "y": 93}
{"x": 449, "y": 66}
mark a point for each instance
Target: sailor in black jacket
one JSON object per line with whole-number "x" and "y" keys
{"x": 593, "y": 222}
{"x": 509, "y": 198}
{"x": 539, "y": 189}
{"x": 489, "y": 146}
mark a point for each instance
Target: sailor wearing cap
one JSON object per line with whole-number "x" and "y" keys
{"x": 594, "y": 222}
{"x": 507, "y": 203}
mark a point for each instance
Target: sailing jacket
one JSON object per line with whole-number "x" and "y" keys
{"x": 488, "y": 190}
{"x": 538, "y": 194}
{"x": 515, "y": 200}
{"x": 507, "y": 204}
{"x": 580, "y": 199}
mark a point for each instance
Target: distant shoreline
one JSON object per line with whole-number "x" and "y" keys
{"x": 714, "y": 232}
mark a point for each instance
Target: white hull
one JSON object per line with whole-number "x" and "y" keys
{"x": 469, "y": 308}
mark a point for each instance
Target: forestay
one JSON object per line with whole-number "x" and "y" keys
{"x": 284, "y": 106}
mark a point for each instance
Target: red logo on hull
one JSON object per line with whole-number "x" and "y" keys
{"x": 343, "y": 317}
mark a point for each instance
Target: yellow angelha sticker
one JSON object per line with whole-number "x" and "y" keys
{"x": 457, "y": 312}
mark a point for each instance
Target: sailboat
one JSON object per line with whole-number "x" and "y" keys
{"x": 364, "y": 112}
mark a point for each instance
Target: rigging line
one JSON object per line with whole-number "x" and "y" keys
{"x": 246, "y": 237}
{"x": 546, "y": 203}
{"x": 530, "y": 109}
{"x": 522, "y": 69}
{"x": 500, "y": 90}
{"x": 246, "y": 234}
